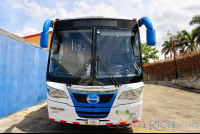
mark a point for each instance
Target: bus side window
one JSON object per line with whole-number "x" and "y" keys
{"x": 79, "y": 47}
{"x": 60, "y": 53}
{"x": 136, "y": 46}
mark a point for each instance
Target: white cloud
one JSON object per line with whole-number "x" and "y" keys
{"x": 61, "y": 4}
{"x": 15, "y": 4}
{"x": 103, "y": 9}
{"x": 35, "y": 10}
{"x": 91, "y": 8}
{"x": 171, "y": 15}
{"x": 30, "y": 8}
{"x": 27, "y": 31}
{"x": 83, "y": 8}
{"x": 165, "y": 14}
{"x": 60, "y": 12}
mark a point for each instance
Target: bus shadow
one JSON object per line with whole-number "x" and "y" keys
{"x": 38, "y": 122}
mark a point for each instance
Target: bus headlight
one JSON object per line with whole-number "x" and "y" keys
{"x": 132, "y": 94}
{"x": 56, "y": 93}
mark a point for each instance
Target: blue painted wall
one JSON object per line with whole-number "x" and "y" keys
{"x": 22, "y": 75}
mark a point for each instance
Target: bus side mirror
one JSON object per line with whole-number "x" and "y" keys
{"x": 151, "y": 33}
{"x": 151, "y": 37}
{"x": 44, "y": 36}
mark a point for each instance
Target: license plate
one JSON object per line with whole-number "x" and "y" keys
{"x": 92, "y": 121}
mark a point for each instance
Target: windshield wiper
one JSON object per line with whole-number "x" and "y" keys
{"x": 61, "y": 66}
{"x": 107, "y": 72}
{"x": 80, "y": 72}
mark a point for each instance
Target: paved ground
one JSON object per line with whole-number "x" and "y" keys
{"x": 165, "y": 109}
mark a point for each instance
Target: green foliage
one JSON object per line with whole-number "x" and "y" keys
{"x": 196, "y": 20}
{"x": 187, "y": 41}
{"x": 148, "y": 52}
{"x": 167, "y": 47}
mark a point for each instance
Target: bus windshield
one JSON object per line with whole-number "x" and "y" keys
{"x": 119, "y": 51}
{"x": 71, "y": 49}
{"x": 116, "y": 51}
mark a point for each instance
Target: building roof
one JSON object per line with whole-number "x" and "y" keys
{"x": 34, "y": 35}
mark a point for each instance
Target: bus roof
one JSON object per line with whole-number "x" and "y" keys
{"x": 90, "y": 16}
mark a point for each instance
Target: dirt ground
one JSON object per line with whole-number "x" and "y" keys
{"x": 166, "y": 108}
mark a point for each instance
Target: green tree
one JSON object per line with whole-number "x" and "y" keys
{"x": 148, "y": 52}
{"x": 196, "y": 20}
{"x": 167, "y": 47}
{"x": 181, "y": 42}
{"x": 187, "y": 41}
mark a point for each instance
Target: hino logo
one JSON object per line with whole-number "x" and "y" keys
{"x": 93, "y": 99}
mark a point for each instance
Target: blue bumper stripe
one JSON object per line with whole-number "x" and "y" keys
{"x": 92, "y": 109}
{"x": 93, "y": 114}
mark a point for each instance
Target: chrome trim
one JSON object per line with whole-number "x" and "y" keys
{"x": 85, "y": 91}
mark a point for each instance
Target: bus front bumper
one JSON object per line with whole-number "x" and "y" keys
{"x": 64, "y": 113}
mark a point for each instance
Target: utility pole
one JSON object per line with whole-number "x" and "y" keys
{"x": 174, "y": 49}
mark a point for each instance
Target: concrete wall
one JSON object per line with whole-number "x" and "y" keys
{"x": 194, "y": 74}
{"x": 159, "y": 77}
{"x": 189, "y": 79}
{"x": 192, "y": 83}
{"x": 22, "y": 73}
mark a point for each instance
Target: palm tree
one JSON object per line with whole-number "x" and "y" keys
{"x": 196, "y": 20}
{"x": 181, "y": 41}
{"x": 187, "y": 41}
{"x": 167, "y": 47}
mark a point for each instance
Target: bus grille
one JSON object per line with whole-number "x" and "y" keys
{"x": 97, "y": 110}
{"x": 92, "y": 114}
{"x": 103, "y": 98}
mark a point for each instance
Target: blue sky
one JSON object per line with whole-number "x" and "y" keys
{"x": 26, "y": 17}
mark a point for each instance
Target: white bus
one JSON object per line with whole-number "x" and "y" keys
{"x": 94, "y": 72}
